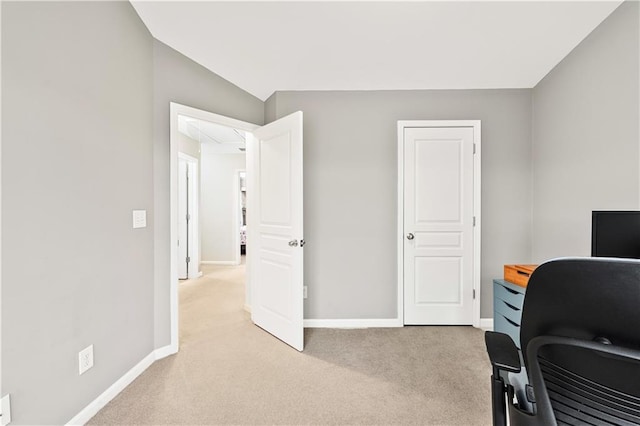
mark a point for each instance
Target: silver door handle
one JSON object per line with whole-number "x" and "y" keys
{"x": 410, "y": 236}
{"x": 293, "y": 243}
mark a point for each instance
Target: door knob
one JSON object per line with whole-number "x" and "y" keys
{"x": 293, "y": 243}
{"x": 410, "y": 236}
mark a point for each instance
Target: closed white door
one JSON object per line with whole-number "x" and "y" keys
{"x": 438, "y": 225}
{"x": 275, "y": 237}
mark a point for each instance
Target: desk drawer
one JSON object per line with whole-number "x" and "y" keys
{"x": 503, "y": 325}
{"x": 508, "y": 311}
{"x": 510, "y": 296}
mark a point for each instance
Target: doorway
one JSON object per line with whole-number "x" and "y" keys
{"x": 176, "y": 146}
{"x": 275, "y": 211}
{"x": 439, "y": 222}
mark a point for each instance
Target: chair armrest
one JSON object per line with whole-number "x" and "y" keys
{"x": 503, "y": 353}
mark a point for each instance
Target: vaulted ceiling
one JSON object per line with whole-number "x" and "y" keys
{"x": 267, "y": 46}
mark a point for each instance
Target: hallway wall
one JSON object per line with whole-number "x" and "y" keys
{"x": 217, "y": 205}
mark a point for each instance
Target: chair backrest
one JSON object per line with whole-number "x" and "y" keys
{"x": 580, "y": 333}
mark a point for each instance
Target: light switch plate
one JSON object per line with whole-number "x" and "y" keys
{"x": 139, "y": 219}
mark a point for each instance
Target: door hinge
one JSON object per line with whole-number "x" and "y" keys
{"x": 474, "y": 221}
{"x": 188, "y": 217}
{"x": 474, "y": 148}
{"x": 302, "y": 243}
{"x": 188, "y": 259}
{"x": 474, "y": 293}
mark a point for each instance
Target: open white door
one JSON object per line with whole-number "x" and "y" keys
{"x": 275, "y": 238}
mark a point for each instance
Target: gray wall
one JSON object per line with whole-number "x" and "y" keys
{"x": 76, "y": 160}
{"x": 586, "y": 136}
{"x": 218, "y": 218}
{"x": 350, "y": 186}
{"x": 270, "y": 108}
{"x": 178, "y": 79}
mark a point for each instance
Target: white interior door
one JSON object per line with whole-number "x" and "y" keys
{"x": 275, "y": 229}
{"x": 438, "y": 225}
{"x": 183, "y": 231}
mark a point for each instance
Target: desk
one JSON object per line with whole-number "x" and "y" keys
{"x": 508, "y": 299}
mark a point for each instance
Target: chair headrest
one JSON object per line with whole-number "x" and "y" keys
{"x": 585, "y": 298}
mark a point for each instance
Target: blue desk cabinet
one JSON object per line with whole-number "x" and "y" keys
{"x": 508, "y": 299}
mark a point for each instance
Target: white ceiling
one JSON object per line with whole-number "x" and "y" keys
{"x": 214, "y": 138}
{"x": 267, "y": 46}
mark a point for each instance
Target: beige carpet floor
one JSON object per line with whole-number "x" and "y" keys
{"x": 229, "y": 371}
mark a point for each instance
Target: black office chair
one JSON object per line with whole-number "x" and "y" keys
{"x": 580, "y": 340}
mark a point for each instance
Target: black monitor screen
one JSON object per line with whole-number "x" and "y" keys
{"x": 615, "y": 234}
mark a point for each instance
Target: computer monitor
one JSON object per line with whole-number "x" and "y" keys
{"x": 615, "y": 234}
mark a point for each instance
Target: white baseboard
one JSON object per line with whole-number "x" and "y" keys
{"x": 97, "y": 404}
{"x": 103, "y": 399}
{"x": 218, "y": 262}
{"x": 165, "y": 351}
{"x": 486, "y": 324}
{"x": 353, "y": 323}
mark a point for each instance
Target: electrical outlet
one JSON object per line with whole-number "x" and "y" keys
{"x": 5, "y": 410}
{"x": 304, "y": 292}
{"x": 85, "y": 359}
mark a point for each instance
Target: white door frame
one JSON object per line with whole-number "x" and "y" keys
{"x": 174, "y": 110}
{"x": 193, "y": 230}
{"x": 402, "y": 125}
{"x": 1, "y": 203}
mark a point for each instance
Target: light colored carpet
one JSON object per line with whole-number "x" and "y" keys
{"x": 229, "y": 371}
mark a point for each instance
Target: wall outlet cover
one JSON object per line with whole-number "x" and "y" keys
{"x": 85, "y": 359}
{"x": 5, "y": 410}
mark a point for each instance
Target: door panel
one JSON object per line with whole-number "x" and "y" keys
{"x": 275, "y": 229}
{"x": 438, "y": 225}
{"x": 437, "y": 180}
{"x": 443, "y": 270}
{"x": 275, "y": 180}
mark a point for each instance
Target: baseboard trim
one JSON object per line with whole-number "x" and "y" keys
{"x": 103, "y": 399}
{"x": 486, "y": 324}
{"x": 353, "y": 323}
{"x": 97, "y": 404}
{"x": 165, "y": 351}
{"x": 218, "y": 262}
